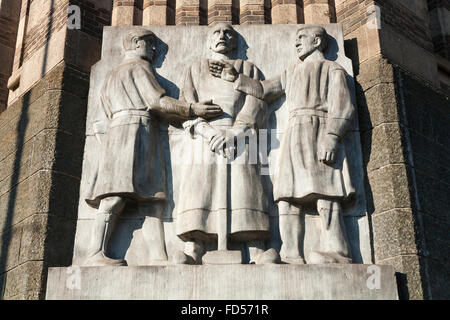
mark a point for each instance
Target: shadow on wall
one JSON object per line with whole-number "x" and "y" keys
{"x": 58, "y": 236}
{"x": 366, "y": 127}
{"x": 160, "y": 56}
{"x": 21, "y": 129}
{"x": 6, "y": 232}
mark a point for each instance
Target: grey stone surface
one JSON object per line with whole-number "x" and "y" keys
{"x": 24, "y": 278}
{"x": 390, "y": 187}
{"x": 382, "y": 146}
{"x": 411, "y": 285}
{"x": 394, "y": 231}
{"x": 375, "y": 71}
{"x": 11, "y": 248}
{"x": 34, "y": 235}
{"x": 223, "y": 282}
{"x": 377, "y": 105}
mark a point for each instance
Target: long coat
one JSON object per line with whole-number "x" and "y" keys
{"x": 131, "y": 162}
{"x": 319, "y": 103}
{"x": 210, "y": 186}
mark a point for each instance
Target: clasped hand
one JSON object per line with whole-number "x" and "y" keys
{"x": 224, "y": 144}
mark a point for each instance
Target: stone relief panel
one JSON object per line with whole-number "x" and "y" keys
{"x": 190, "y": 191}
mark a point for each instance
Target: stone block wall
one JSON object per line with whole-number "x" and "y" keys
{"x": 41, "y": 155}
{"x": 9, "y": 20}
{"x": 396, "y": 76}
{"x": 42, "y": 141}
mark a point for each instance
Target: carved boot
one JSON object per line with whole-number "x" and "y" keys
{"x": 195, "y": 251}
{"x": 291, "y": 232}
{"x": 153, "y": 233}
{"x": 269, "y": 256}
{"x": 299, "y": 260}
{"x": 179, "y": 257}
{"x": 101, "y": 237}
{"x": 100, "y": 259}
{"x": 336, "y": 248}
{"x": 318, "y": 257}
{"x": 294, "y": 257}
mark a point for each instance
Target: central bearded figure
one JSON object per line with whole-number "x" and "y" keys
{"x": 226, "y": 199}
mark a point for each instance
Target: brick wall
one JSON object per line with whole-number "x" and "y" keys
{"x": 9, "y": 20}
{"x": 252, "y": 12}
{"x": 127, "y": 12}
{"x": 93, "y": 17}
{"x": 404, "y": 21}
{"x": 354, "y": 13}
{"x": 53, "y": 19}
{"x": 187, "y": 12}
{"x": 158, "y": 13}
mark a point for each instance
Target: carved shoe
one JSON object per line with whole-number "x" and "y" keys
{"x": 269, "y": 256}
{"x": 317, "y": 257}
{"x": 100, "y": 259}
{"x": 296, "y": 260}
{"x": 179, "y": 257}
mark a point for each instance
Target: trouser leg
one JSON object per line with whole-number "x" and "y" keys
{"x": 195, "y": 249}
{"x": 153, "y": 230}
{"x": 255, "y": 248}
{"x": 291, "y": 232}
{"x": 104, "y": 224}
{"x": 335, "y": 244}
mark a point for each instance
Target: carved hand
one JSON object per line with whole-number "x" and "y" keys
{"x": 223, "y": 144}
{"x": 328, "y": 149}
{"x": 223, "y": 70}
{"x": 206, "y": 109}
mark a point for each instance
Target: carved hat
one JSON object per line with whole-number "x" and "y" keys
{"x": 135, "y": 35}
{"x": 317, "y": 32}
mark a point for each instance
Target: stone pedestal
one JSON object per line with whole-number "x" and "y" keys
{"x": 224, "y": 282}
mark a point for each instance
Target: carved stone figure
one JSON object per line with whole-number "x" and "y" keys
{"x": 131, "y": 164}
{"x": 222, "y": 200}
{"x": 312, "y": 165}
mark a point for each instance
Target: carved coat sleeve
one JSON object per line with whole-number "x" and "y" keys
{"x": 155, "y": 98}
{"x": 254, "y": 111}
{"x": 188, "y": 90}
{"x": 341, "y": 109}
{"x": 188, "y": 93}
{"x": 267, "y": 90}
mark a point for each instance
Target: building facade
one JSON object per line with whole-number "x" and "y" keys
{"x": 400, "y": 51}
